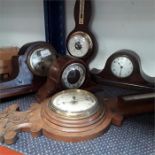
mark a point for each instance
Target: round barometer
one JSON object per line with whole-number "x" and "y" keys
{"x": 79, "y": 44}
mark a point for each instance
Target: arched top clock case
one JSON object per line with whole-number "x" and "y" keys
{"x": 123, "y": 69}
{"x": 30, "y": 67}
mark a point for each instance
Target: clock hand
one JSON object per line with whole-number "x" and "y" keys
{"x": 120, "y": 73}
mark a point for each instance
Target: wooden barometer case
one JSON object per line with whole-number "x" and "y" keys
{"x": 30, "y": 69}
{"x": 80, "y": 42}
{"x": 65, "y": 73}
{"x": 72, "y": 115}
{"x": 123, "y": 69}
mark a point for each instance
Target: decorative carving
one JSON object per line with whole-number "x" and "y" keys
{"x": 39, "y": 119}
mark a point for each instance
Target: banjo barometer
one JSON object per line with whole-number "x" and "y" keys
{"x": 81, "y": 42}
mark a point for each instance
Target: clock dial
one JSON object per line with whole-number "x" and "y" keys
{"x": 74, "y": 75}
{"x": 74, "y": 103}
{"x": 122, "y": 67}
{"x": 40, "y": 60}
{"x": 79, "y": 44}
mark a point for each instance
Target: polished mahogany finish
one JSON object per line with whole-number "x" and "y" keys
{"x": 82, "y": 17}
{"x": 137, "y": 80}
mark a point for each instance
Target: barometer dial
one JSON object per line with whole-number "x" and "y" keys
{"x": 74, "y": 75}
{"x": 79, "y": 44}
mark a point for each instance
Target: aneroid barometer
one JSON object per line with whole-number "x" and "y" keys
{"x": 81, "y": 42}
{"x": 30, "y": 68}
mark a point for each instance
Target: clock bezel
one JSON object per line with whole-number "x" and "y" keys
{"x": 42, "y": 45}
{"x": 77, "y": 115}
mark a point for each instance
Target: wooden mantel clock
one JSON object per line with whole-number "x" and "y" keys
{"x": 30, "y": 69}
{"x": 65, "y": 73}
{"x": 81, "y": 42}
{"x": 72, "y": 115}
{"x": 123, "y": 69}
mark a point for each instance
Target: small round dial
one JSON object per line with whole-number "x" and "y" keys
{"x": 79, "y": 44}
{"x": 74, "y": 103}
{"x": 74, "y": 75}
{"x": 40, "y": 60}
{"x": 122, "y": 67}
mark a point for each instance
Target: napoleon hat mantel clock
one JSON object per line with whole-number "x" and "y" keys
{"x": 123, "y": 69}
{"x": 81, "y": 42}
{"x": 30, "y": 68}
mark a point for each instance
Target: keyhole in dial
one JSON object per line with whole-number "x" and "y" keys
{"x": 73, "y": 76}
{"x": 78, "y": 45}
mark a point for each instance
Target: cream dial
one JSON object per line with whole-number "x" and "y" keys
{"x": 79, "y": 44}
{"x": 122, "y": 67}
{"x": 74, "y": 103}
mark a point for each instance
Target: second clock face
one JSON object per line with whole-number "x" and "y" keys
{"x": 122, "y": 67}
{"x": 79, "y": 44}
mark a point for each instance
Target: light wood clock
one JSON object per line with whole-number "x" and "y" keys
{"x": 30, "y": 68}
{"x": 81, "y": 42}
{"x": 72, "y": 115}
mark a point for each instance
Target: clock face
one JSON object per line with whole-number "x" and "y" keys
{"x": 74, "y": 75}
{"x": 74, "y": 103}
{"x": 79, "y": 44}
{"x": 122, "y": 67}
{"x": 40, "y": 61}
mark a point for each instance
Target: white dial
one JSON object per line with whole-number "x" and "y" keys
{"x": 40, "y": 61}
{"x": 122, "y": 67}
{"x": 79, "y": 44}
{"x": 74, "y": 102}
{"x": 74, "y": 75}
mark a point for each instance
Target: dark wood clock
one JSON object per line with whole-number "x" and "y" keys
{"x": 65, "y": 73}
{"x": 123, "y": 68}
{"x": 30, "y": 68}
{"x": 81, "y": 42}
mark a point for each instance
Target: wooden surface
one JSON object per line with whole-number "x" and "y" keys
{"x": 7, "y": 151}
{"x": 6, "y": 55}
